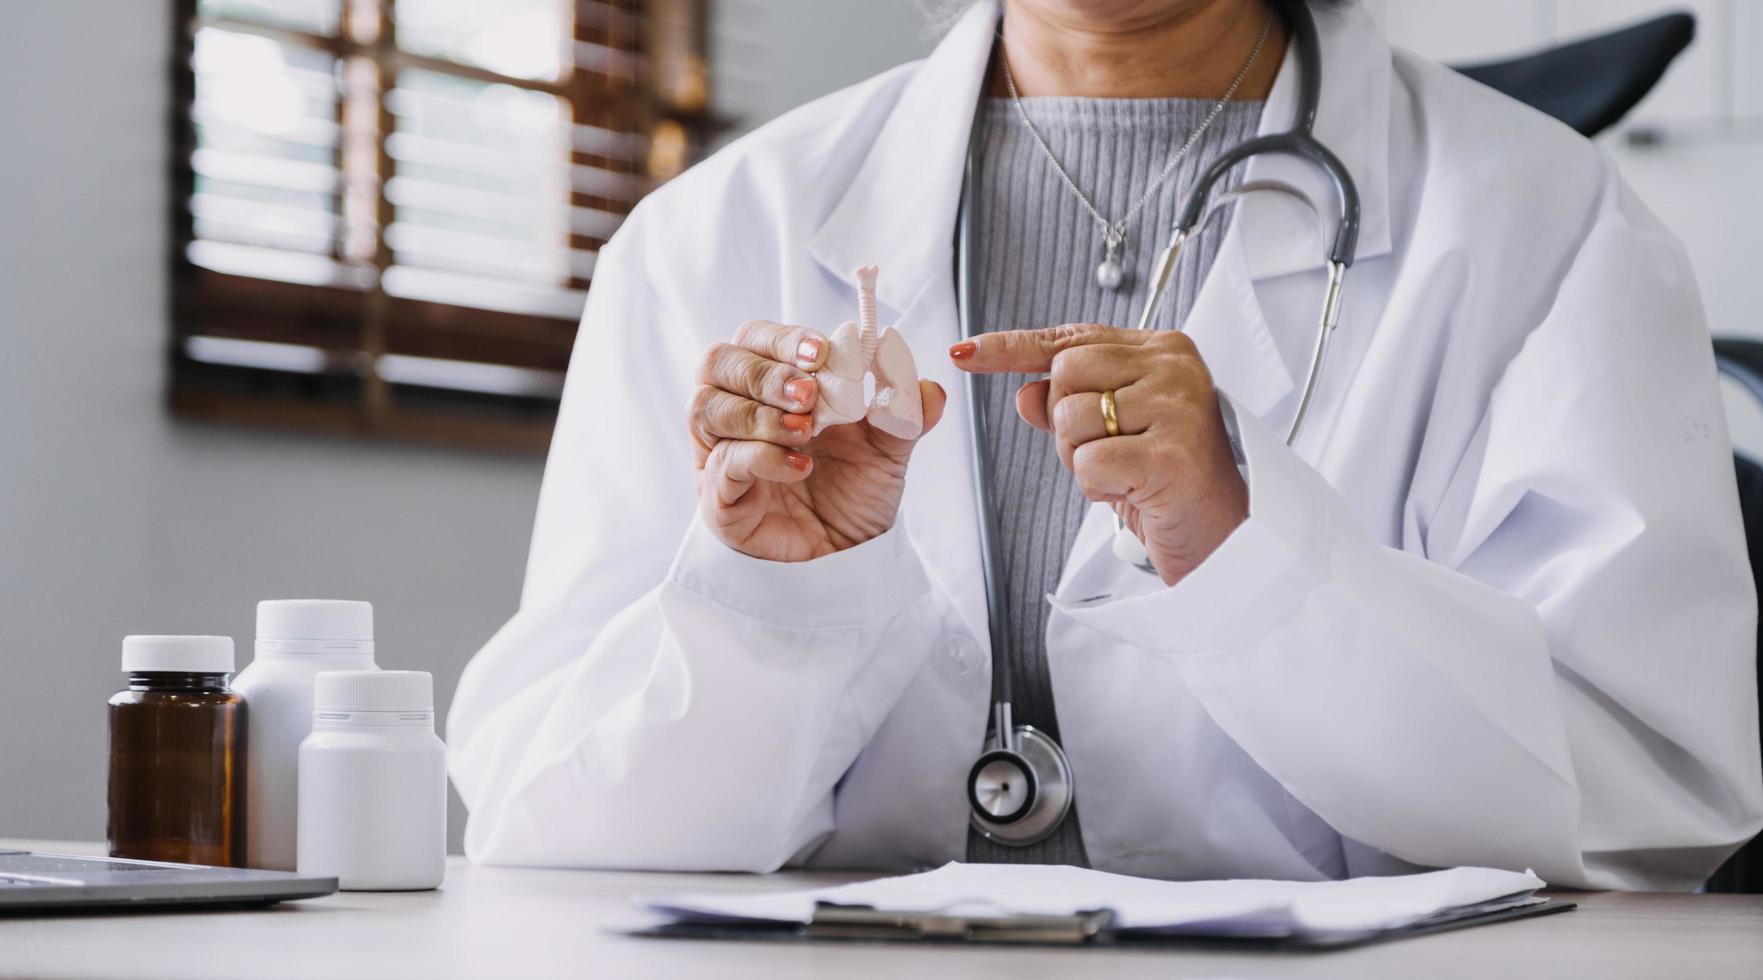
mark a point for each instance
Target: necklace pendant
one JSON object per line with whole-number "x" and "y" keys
{"x": 1109, "y": 273}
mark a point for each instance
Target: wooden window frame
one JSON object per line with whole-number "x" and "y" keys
{"x": 662, "y": 85}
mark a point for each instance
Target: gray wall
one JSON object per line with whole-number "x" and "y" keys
{"x": 768, "y": 56}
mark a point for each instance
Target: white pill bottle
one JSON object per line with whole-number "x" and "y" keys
{"x": 296, "y": 639}
{"x": 373, "y": 783}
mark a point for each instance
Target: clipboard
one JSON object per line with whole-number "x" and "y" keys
{"x": 864, "y": 924}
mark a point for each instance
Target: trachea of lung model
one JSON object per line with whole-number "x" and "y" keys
{"x": 857, "y": 350}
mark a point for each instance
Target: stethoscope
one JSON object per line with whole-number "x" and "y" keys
{"x": 1021, "y": 788}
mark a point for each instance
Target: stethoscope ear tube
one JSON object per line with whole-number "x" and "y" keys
{"x": 1160, "y": 278}
{"x": 1299, "y": 141}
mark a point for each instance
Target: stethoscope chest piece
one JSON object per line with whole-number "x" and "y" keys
{"x": 1020, "y": 797}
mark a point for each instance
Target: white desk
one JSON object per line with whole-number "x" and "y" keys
{"x": 494, "y": 922}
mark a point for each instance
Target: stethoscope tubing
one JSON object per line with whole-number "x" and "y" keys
{"x": 1300, "y": 142}
{"x": 991, "y": 548}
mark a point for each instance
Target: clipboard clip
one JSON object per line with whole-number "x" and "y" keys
{"x": 832, "y": 921}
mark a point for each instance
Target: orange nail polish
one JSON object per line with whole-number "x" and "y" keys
{"x": 798, "y": 423}
{"x": 807, "y": 352}
{"x": 800, "y": 391}
{"x": 799, "y": 461}
{"x": 963, "y": 350}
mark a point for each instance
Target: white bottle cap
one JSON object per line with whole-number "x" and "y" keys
{"x": 314, "y": 626}
{"x": 178, "y": 654}
{"x": 373, "y": 690}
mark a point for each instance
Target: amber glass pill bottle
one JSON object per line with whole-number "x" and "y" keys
{"x": 177, "y": 753}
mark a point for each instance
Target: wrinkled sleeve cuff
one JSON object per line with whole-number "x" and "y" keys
{"x": 1254, "y": 580}
{"x": 858, "y": 587}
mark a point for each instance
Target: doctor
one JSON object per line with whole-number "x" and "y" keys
{"x": 1491, "y": 608}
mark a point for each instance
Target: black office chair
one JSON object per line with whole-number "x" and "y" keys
{"x": 1591, "y": 84}
{"x": 1742, "y": 361}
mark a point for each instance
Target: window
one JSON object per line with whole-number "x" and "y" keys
{"x": 387, "y": 211}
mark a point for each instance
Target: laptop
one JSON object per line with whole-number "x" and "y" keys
{"x": 39, "y": 881}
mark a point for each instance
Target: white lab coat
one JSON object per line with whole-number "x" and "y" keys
{"x": 1493, "y": 609}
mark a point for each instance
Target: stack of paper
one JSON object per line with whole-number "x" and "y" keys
{"x": 1312, "y": 910}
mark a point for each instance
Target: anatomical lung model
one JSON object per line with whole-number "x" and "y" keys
{"x": 857, "y": 350}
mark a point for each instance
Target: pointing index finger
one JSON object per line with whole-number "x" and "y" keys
{"x": 1032, "y": 351}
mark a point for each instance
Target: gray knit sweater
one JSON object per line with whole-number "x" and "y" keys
{"x": 1036, "y": 252}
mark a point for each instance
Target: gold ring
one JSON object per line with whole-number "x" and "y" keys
{"x": 1110, "y": 420}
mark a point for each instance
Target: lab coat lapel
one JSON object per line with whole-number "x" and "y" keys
{"x": 1230, "y": 329}
{"x": 899, "y": 214}
{"x": 1257, "y": 350}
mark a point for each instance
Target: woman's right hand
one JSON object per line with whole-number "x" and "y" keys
{"x": 767, "y": 487}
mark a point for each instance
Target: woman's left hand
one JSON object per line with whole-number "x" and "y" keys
{"x": 1170, "y": 473}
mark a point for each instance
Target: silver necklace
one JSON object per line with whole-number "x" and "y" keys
{"x": 1109, "y": 273}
